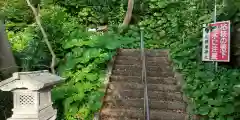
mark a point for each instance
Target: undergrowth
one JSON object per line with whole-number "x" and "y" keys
{"x": 84, "y": 67}
{"x": 82, "y": 56}
{"x": 179, "y": 25}
{"x": 81, "y": 59}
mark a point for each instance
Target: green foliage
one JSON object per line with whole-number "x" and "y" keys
{"x": 30, "y": 50}
{"x": 17, "y": 13}
{"x": 211, "y": 93}
{"x": 177, "y": 25}
{"x": 83, "y": 67}
{"x": 82, "y": 56}
{"x": 94, "y": 13}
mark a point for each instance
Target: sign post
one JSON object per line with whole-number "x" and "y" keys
{"x": 215, "y": 20}
{"x": 216, "y": 42}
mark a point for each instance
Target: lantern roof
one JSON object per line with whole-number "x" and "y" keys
{"x": 35, "y": 80}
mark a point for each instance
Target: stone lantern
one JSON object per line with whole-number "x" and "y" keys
{"x": 31, "y": 95}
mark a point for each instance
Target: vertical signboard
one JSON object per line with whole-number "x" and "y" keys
{"x": 216, "y": 42}
{"x": 205, "y": 45}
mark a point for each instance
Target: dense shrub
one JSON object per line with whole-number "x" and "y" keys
{"x": 179, "y": 26}
{"x": 175, "y": 24}
{"x": 17, "y": 13}
{"x": 82, "y": 58}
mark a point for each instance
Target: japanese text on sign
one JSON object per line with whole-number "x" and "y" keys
{"x": 216, "y": 42}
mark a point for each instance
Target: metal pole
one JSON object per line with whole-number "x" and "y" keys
{"x": 215, "y": 11}
{"x": 144, "y": 79}
{"x": 215, "y": 20}
{"x": 142, "y": 46}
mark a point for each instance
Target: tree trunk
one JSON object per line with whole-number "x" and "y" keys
{"x": 128, "y": 15}
{"x": 7, "y": 61}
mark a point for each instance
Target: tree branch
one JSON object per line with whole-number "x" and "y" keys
{"x": 45, "y": 37}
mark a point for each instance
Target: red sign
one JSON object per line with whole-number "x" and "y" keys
{"x": 218, "y": 42}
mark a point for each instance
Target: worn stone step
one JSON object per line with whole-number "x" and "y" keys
{"x": 138, "y": 73}
{"x": 125, "y": 62}
{"x": 148, "y": 53}
{"x": 105, "y": 117}
{"x": 162, "y": 68}
{"x": 139, "y": 94}
{"x": 153, "y": 104}
{"x": 138, "y": 86}
{"x": 148, "y": 63}
{"x": 150, "y": 80}
{"x": 136, "y": 113}
{"x": 148, "y": 58}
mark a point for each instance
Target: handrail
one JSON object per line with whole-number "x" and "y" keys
{"x": 144, "y": 79}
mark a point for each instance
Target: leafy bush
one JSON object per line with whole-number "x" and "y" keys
{"x": 30, "y": 50}
{"x": 84, "y": 67}
{"x": 82, "y": 56}
{"x": 179, "y": 26}
{"x": 17, "y": 13}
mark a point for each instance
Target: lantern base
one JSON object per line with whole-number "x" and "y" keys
{"x": 43, "y": 115}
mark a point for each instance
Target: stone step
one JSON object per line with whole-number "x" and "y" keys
{"x": 148, "y": 63}
{"x": 138, "y": 86}
{"x": 138, "y": 73}
{"x": 124, "y": 99}
{"x": 152, "y": 95}
{"x": 150, "y": 80}
{"x": 105, "y": 117}
{"x": 136, "y": 113}
{"x": 162, "y": 68}
{"x": 148, "y": 53}
{"x": 135, "y": 58}
{"x": 139, "y": 103}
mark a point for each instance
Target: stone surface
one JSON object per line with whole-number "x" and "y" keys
{"x": 30, "y": 80}
{"x": 31, "y": 95}
{"x": 125, "y": 93}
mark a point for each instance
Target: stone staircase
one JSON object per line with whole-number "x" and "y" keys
{"x": 124, "y": 96}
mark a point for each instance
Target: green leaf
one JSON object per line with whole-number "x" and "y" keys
{"x": 92, "y": 76}
{"x": 216, "y": 102}
{"x": 204, "y": 110}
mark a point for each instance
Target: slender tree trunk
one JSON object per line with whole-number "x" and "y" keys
{"x": 7, "y": 61}
{"x": 128, "y": 15}
{"x": 45, "y": 37}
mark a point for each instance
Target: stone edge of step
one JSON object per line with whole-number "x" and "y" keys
{"x": 149, "y": 52}
{"x": 105, "y": 83}
{"x": 150, "y": 79}
{"x": 135, "y": 73}
{"x": 154, "y": 95}
{"x": 138, "y": 68}
{"x": 154, "y": 104}
{"x": 134, "y": 50}
{"x": 116, "y": 85}
{"x": 138, "y": 113}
